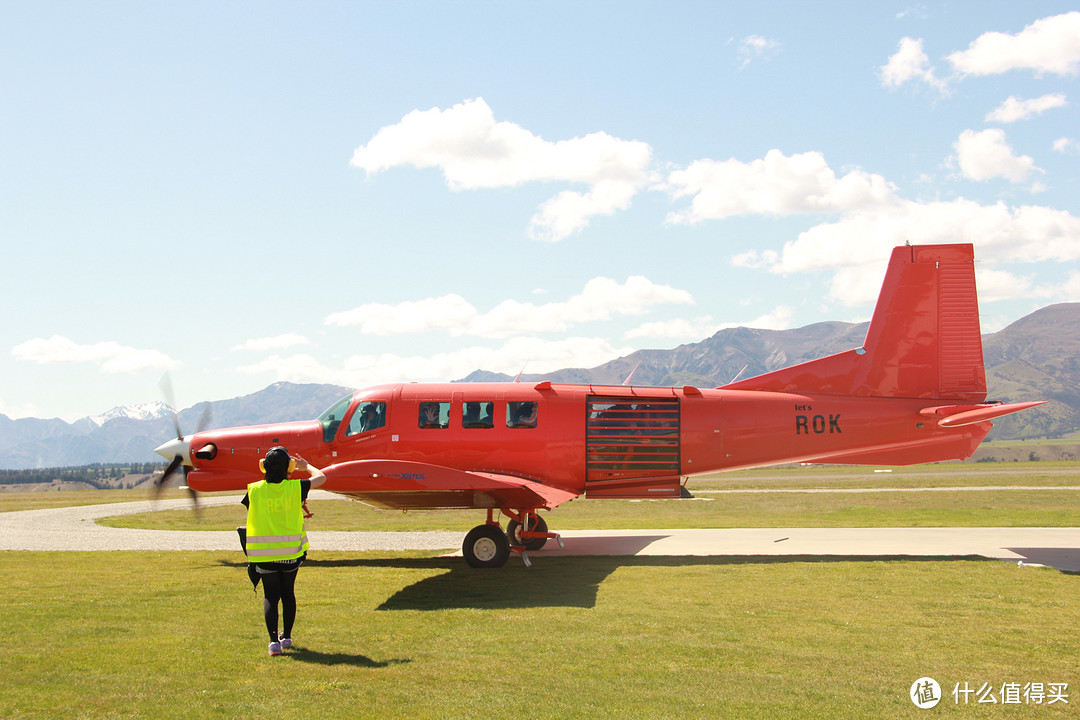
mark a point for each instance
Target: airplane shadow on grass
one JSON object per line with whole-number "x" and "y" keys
{"x": 574, "y": 581}
{"x": 555, "y": 582}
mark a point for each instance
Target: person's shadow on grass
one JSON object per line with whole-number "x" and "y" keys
{"x": 322, "y": 658}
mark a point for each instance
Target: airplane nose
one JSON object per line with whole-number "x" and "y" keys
{"x": 174, "y": 447}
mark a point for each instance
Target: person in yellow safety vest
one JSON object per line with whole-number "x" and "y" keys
{"x": 275, "y": 542}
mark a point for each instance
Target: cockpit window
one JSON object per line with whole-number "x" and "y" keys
{"x": 368, "y": 416}
{"x": 331, "y": 419}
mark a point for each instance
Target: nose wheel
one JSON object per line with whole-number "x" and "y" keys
{"x": 486, "y": 546}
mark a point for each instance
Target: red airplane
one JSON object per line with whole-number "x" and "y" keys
{"x": 913, "y": 393}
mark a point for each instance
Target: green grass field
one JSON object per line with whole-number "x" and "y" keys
{"x": 170, "y": 635}
{"x": 164, "y": 635}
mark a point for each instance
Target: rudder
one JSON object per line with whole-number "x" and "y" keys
{"x": 923, "y": 341}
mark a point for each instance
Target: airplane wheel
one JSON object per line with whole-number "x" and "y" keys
{"x": 513, "y": 531}
{"x": 486, "y": 546}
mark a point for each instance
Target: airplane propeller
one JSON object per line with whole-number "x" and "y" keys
{"x": 180, "y": 447}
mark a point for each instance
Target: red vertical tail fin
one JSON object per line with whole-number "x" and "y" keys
{"x": 923, "y": 340}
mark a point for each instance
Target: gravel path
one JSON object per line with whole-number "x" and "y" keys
{"x": 76, "y": 528}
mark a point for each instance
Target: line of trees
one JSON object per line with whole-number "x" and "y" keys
{"x": 99, "y": 475}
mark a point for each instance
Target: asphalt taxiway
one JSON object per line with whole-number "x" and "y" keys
{"x": 76, "y": 529}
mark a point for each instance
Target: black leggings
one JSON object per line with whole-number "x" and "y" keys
{"x": 279, "y": 587}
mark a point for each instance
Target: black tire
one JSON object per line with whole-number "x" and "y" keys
{"x": 513, "y": 531}
{"x": 486, "y": 546}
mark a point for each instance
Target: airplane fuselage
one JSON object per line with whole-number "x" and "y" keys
{"x": 594, "y": 440}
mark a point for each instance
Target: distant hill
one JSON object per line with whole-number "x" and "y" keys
{"x": 1035, "y": 358}
{"x": 715, "y": 361}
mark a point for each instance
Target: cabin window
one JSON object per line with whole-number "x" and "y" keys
{"x": 434, "y": 415}
{"x": 478, "y": 415}
{"x": 521, "y": 414}
{"x": 331, "y": 419}
{"x": 368, "y": 416}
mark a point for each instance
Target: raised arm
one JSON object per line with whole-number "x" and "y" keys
{"x": 317, "y": 477}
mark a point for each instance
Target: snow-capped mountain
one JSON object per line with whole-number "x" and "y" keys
{"x": 143, "y": 411}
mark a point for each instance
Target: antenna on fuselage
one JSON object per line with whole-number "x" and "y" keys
{"x": 739, "y": 374}
{"x": 518, "y": 378}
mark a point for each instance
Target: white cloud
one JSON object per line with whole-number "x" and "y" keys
{"x": 985, "y": 155}
{"x": 1070, "y": 146}
{"x": 779, "y": 318}
{"x": 994, "y": 284}
{"x": 601, "y": 299}
{"x": 702, "y": 327}
{"x": 856, "y": 247}
{"x": 917, "y": 11}
{"x": 755, "y": 259}
{"x": 754, "y": 47}
{"x": 19, "y": 411}
{"x": 778, "y": 184}
{"x": 473, "y": 151}
{"x": 569, "y": 212}
{"x": 675, "y": 329}
{"x": 1014, "y": 109}
{"x": 1070, "y": 291}
{"x": 299, "y": 368}
{"x": 110, "y": 356}
{"x": 910, "y": 63}
{"x": 278, "y": 342}
{"x": 452, "y": 313}
{"x": 1050, "y": 45}
{"x": 365, "y": 370}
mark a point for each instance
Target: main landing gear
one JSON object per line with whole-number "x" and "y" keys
{"x": 487, "y": 546}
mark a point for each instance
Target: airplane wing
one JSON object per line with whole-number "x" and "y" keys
{"x": 401, "y": 484}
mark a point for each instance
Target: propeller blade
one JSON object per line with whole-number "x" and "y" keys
{"x": 159, "y": 483}
{"x": 178, "y": 460}
{"x": 167, "y": 391}
{"x": 194, "y": 497}
{"x": 204, "y": 419}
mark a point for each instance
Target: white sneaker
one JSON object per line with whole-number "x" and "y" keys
{"x": 275, "y": 649}
{"x": 286, "y": 643}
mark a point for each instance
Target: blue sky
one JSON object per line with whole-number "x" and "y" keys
{"x": 241, "y": 193}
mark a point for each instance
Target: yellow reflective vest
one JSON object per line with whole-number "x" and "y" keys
{"x": 275, "y": 522}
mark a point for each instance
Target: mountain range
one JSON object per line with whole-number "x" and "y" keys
{"x": 1035, "y": 358}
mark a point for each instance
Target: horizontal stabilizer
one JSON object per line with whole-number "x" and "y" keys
{"x": 404, "y": 484}
{"x": 960, "y": 415}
